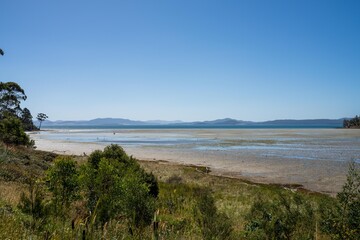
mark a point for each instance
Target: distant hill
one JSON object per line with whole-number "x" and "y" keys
{"x": 94, "y": 122}
{"x": 305, "y": 122}
{"x": 224, "y": 121}
{"x": 217, "y": 122}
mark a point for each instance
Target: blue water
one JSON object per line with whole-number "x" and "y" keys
{"x": 288, "y": 143}
{"x": 305, "y": 126}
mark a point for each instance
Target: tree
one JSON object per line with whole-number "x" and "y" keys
{"x": 12, "y": 132}
{"x": 11, "y": 95}
{"x": 352, "y": 123}
{"x": 26, "y": 119}
{"x": 41, "y": 117}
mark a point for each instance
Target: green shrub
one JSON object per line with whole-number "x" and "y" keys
{"x": 33, "y": 204}
{"x": 137, "y": 201}
{"x": 62, "y": 181}
{"x": 106, "y": 190}
{"x": 213, "y": 225}
{"x": 342, "y": 219}
{"x": 12, "y": 132}
{"x": 289, "y": 216}
{"x": 115, "y": 185}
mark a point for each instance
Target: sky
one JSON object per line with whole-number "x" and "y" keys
{"x": 184, "y": 60}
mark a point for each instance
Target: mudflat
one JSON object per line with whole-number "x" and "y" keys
{"x": 317, "y": 159}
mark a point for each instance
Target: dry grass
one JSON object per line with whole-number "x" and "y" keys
{"x": 10, "y": 191}
{"x": 234, "y": 197}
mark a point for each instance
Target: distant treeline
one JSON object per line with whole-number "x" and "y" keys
{"x": 352, "y": 123}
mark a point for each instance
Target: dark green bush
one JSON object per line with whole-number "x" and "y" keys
{"x": 342, "y": 219}
{"x": 12, "y": 132}
{"x": 289, "y": 216}
{"x": 62, "y": 181}
{"x": 116, "y": 186}
{"x": 137, "y": 201}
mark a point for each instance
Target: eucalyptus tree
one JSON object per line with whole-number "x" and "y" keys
{"x": 41, "y": 117}
{"x": 26, "y": 119}
{"x": 11, "y": 95}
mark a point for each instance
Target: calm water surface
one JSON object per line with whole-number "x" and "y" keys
{"x": 305, "y": 144}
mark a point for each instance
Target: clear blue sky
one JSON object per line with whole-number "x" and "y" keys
{"x": 188, "y": 60}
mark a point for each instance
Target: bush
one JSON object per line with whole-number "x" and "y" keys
{"x": 137, "y": 201}
{"x": 213, "y": 225}
{"x": 33, "y": 204}
{"x": 341, "y": 220}
{"x": 104, "y": 186}
{"x": 289, "y": 216}
{"x": 116, "y": 186}
{"x": 62, "y": 181}
{"x": 12, "y": 132}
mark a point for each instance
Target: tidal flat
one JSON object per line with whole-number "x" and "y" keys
{"x": 316, "y": 159}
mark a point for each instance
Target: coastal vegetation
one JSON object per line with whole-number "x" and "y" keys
{"x": 352, "y": 123}
{"x": 14, "y": 120}
{"x": 111, "y": 195}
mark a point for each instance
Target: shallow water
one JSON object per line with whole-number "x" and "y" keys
{"x": 315, "y": 158}
{"x": 305, "y": 144}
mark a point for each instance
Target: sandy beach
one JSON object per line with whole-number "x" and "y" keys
{"x": 317, "y": 159}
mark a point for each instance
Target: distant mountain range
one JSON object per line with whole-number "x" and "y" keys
{"x": 218, "y": 122}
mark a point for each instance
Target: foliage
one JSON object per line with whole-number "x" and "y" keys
{"x": 213, "y": 225}
{"x": 352, "y": 123}
{"x": 33, "y": 204}
{"x": 137, "y": 201}
{"x": 26, "y": 119}
{"x": 41, "y": 117}
{"x": 11, "y": 225}
{"x": 342, "y": 220}
{"x": 287, "y": 217}
{"x": 116, "y": 185}
{"x": 11, "y": 95}
{"x": 13, "y": 120}
{"x": 62, "y": 181}
{"x": 12, "y": 132}
{"x": 104, "y": 189}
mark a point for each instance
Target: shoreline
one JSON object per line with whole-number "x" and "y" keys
{"x": 321, "y": 176}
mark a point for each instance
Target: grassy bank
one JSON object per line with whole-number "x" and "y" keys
{"x": 192, "y": 204}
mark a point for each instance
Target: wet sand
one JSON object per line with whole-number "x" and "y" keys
{"x": 314, "y": 158}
